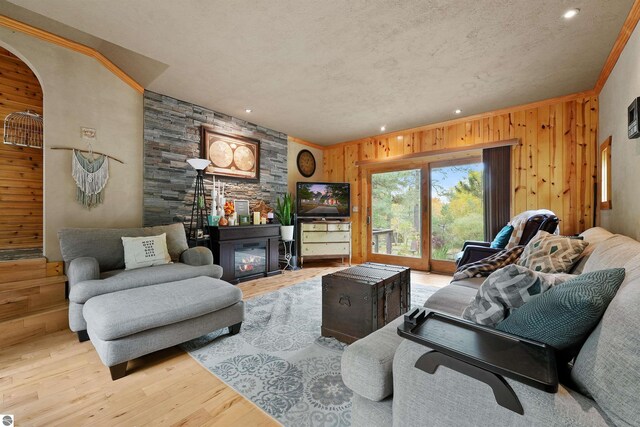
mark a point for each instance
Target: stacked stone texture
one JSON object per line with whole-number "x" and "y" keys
{"x": 172, "y": 135}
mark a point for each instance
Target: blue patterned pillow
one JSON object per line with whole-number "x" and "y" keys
{"x": 502, "y": 238}
{"x": 564, "y": 316}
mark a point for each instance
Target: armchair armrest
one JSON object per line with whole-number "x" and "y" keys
{"x": 475, "y": 243}
{"x": 197, "y": 256}
{"x": 476, "y": 253}
{"x": 81, "y": 269}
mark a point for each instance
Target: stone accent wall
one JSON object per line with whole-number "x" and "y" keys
{"x": 172, "y": 135}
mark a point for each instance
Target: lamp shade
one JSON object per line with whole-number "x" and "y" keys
{"x": 199, "y": 164}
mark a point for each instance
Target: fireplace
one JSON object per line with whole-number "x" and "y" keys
{"x": 250, "y": 259}
{"x": 246, "y": 251}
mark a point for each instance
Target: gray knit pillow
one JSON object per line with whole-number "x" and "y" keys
{"x": 508, "y": 288}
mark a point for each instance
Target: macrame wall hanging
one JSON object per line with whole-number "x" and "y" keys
{"x": 91, "y": 176}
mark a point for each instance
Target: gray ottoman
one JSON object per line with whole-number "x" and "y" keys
{"x": 131, "y": 323}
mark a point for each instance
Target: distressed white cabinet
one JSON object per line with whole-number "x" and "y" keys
{"x": 325, "y": 239}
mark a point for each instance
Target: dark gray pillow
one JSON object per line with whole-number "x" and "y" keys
{"x": 508, "y": 288}
{"x": 564, "y": 316}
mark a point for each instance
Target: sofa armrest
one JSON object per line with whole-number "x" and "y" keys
{"x": 476, "y": 253}
{"x": 197, "y": 256}
{"x": 366, "y": 364}
{"x": 448, "y": 397}
{"x": 81, "y": 269}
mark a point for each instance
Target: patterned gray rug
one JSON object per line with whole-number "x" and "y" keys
{"x": 280, "y": 362}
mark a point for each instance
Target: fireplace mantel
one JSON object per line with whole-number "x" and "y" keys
{"x": 242, "y": 251}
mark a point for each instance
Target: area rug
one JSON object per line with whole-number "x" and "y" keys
{"x": 280, "y": 362}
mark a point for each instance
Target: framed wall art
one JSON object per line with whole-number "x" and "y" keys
{"x": 231, "y": 155}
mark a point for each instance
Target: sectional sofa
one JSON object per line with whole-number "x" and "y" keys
{"x": 603, "y": 388}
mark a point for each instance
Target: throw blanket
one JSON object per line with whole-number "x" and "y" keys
{"x": 486, "y": 266}
{"x": 518, "y": 223}
{"x": 507, "y": 289}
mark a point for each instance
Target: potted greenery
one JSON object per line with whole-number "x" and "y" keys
{"x": 283, "y": 212}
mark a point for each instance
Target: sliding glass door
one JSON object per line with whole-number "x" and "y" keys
{"x": 395, "y": 217}
{"x": 456, "y": 209}
{"x": 420, "y": 216}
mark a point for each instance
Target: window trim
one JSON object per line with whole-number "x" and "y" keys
{"x": 604, "y": 163}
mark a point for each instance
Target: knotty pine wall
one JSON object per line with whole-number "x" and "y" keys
{"x": 20, "y": 167}
{"x": 553, "y": 166}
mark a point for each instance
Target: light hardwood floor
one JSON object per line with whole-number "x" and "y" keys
{"x": 56, "y": 380}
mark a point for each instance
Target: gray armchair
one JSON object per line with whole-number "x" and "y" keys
{"x": 94, "y": 264}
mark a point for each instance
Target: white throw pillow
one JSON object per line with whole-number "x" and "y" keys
{"x": 145, "y": 251}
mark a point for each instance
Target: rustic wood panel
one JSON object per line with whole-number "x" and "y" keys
{"x": 554, "y": 162}
{"x": 20, "y": 167}
{"x": 32, "y": 299}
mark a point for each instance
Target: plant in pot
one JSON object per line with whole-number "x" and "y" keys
{"x": 284, "y": 208}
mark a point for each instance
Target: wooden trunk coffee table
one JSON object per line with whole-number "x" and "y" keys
{"x": 361, "y": 299}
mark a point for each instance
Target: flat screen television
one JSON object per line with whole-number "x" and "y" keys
{"x": 323, "y": 199}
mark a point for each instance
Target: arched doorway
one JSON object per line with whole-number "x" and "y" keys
{"x": 21, "y": 166}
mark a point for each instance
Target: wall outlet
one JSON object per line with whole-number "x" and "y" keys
{"x": 355, "y": 209}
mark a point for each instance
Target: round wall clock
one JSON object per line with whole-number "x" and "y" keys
{"x": 306, "y": 163}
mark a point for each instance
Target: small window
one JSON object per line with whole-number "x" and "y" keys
{"x": 605, "y": 174}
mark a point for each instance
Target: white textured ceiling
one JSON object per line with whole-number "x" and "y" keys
{"x": 329, "y": 71}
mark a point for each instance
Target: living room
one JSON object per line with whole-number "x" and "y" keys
{"x": 400, "y": 131}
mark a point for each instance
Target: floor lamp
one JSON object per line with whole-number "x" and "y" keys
{"x": 199, "y": 209}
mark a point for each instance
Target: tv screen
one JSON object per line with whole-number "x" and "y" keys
{"x": 323, "y": 199}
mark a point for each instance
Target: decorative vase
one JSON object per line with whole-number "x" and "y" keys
{"x": 286, "y": 232}
{"x": 223, "y": 222}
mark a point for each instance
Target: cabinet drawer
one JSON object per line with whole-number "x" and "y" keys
{"x": 338, "y": 227}
{"x": 325, "y": 249}
{"x": 314, "y": 227}
{"x": 323, "y": 236}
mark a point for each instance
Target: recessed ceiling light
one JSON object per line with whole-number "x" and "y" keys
{"x": 383, "y": 128}
{"x": 458, "y": 111}
{"x": 571, "y": 13}
{"x": 248, "y": 110}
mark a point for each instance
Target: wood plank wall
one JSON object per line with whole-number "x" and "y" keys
{"x": 20, "y": 167}
{"x": 553, "y": 166}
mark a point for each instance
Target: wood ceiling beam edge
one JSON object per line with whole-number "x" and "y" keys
{"x": 435, "y": 153}
{"x": 12, "y": 24}
{"x": 307, "y": 143}
{"x": 619, "y": 45}
{"x": 506, "y": 110}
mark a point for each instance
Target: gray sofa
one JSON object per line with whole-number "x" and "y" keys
{"x": 604, "y": 388}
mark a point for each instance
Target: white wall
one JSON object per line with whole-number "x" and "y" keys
{"x": 79, "y": 91}
{"x": 621, "y": 88}
{"x": 293, "y": 175}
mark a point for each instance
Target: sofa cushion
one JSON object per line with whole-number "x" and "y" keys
{"x": 451, "y": 299}
{"x": 366, "y": 364}
{"x": 594, "y": 236}
{"x": 564, "y": 315}
{"x": 105, "y": 244}
{"x": 145, "y": 251}
{"x": 608, "y": 365}
{"x": 120, "y": 314}
{"x": 118, "y": 280}
{"x": 506, "y": 289}
{"x": 548, "y": 253}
